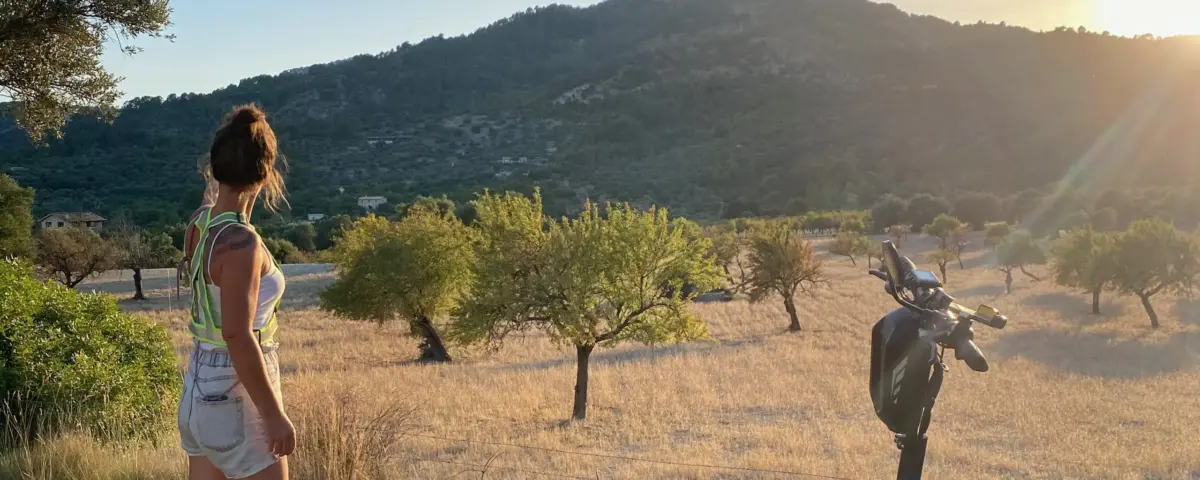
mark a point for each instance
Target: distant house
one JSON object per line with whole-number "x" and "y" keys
{"x": 312, "y": 217}
{"x": 86, "y": 220}
{"x": 371, "y": 203}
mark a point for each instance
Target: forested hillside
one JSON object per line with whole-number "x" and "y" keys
{"x": 709, "y": 107}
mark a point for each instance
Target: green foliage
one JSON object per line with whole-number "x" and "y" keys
{"x": 1084, "y": 259}
{"x": 1018, "y": 251}
{"x": 726, "y": 252}
{"x": 977, "y": 209}
{"x": 783, "y": 264}
{"x": 416, "y": 268}
{"x": 996, "y": 233}
{"x": 303, "y": 236}
{"x": 443, "y": 205}
{"x": 1151, "y": 257}
{"x": 140, "y": 250}
{"x": 69, "y": 359}
{"x": 283, "y": 251}
{"x": 889, "y": 210}
{"x": 1023, "y": 204}
{"x": 58, "y": 50}
{"x": 71, "y": 255}
{"x": 599, "y": 279}
{"x": 944, "y": 227}
{"x": 924, "y": 208}
{"x": 850, "y": 244}
{"x": 16, "y": 221}
{"x": 853, "y": 225}
{"x": 329, "y": 228}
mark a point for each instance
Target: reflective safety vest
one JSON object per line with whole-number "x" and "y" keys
{"x": 205, "y": 324}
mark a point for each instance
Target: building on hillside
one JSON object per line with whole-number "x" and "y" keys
{"x": 371, "y": 203}
{"x": 312, "y": 217}
{"x": 86, "y": 220}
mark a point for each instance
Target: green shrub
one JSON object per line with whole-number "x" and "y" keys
{"x": 74, "y": 360}
{"x": 284, "y": 251}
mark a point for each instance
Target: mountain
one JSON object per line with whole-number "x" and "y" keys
{"x": 709, "y": 107}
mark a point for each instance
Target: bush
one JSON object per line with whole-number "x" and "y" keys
{"x": 69, "y": 359}
{"x": 284, "y": 251}
{"x": 923, "y": 208}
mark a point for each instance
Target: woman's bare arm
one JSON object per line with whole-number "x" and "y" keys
{"x": 238, "y": 274}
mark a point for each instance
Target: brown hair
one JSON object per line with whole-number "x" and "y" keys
{"x": 244, "y": 155}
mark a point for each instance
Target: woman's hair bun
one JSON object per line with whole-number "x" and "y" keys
{"x": 247, "y": 115}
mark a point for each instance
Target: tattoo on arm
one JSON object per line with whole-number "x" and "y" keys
{"x": 237, "y": 238}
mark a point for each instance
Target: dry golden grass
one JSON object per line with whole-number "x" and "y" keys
{"x": 1070, "y": 395}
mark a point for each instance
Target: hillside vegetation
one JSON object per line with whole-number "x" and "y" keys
{"x": 710, "y": 107}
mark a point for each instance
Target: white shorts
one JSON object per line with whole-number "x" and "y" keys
{"x": 218, "y": 420}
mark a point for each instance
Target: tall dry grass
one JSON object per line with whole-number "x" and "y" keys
{"x": 1070, "y": 395}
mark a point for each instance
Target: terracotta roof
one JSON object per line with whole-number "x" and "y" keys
{"x": 72, "y": 217}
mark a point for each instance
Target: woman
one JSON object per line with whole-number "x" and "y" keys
{"x": 231, "y": 418}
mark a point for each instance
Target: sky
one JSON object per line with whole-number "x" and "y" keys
{"x": 211, "y": 48}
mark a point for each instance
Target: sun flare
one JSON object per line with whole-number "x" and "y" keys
{"x": 1158, "y": 17}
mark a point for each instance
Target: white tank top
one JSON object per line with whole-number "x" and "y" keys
{"x": 270, "y": 290}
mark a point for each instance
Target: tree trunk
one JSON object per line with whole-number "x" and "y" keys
{"x": 1096, "y": 302}
{"x": 432, "y": 347}
{"x": 852, "y": 262}
{"x": 945, "y": 278}
{"x": 1008, "y": 281}
{"x": 1150, "y": 311}
{"x": 137, "y": 285}
{"x": 1030, "y": 275}
{"x": 791, "y": 309}
{"x": 582, "y": 354}
{"x": 960, "y": 264}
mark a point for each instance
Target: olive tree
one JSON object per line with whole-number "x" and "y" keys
{"x": 71, "y": 255}
{"x": 1149, "y": 258}
{"x": 601, "y": 279}
{"x": 50, "y": 56}
{"x": 138, "y": 250}
{"x": 1083, "y": 259}
{"x": 726, "y": 252}
{"x": 783, "y": 264}
{"x": 899, "y": 233}
{"x": 1017, "y": 251}
{"x": 416, "y": 269}
{"x": 850, "y": 244}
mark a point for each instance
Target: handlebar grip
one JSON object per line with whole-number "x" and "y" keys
{"x": 997, "y": 322}
{"x": 879, "y": 274}
{"x": 968, "y": 352}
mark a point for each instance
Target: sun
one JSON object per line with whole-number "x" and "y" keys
{"x": 1159, "y": 17}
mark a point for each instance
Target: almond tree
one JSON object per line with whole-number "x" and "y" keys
{"x": 850, "y": 244}
{"x": 1015, "y": 253}
{"x": 783, "y": 264}
{"x": 1149, "y": 258}
{"x": 1083, "y": 259}
{"x": 416, "y": 269}
{"x": 598, "y": 280}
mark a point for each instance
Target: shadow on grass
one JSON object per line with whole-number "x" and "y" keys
{"x": 1078, "y": 306}
{"x": 1102, "y": 355}
{"x": 632, "y": 355}
{"x": 1187, "y": 311}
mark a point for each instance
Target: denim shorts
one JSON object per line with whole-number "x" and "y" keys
{"x": 217, "y": 418}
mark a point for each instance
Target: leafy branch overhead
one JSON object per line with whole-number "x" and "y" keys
{"x": 50, "y": 56}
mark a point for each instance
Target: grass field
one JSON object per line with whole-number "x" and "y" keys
{"x": 1070, "y": 395}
